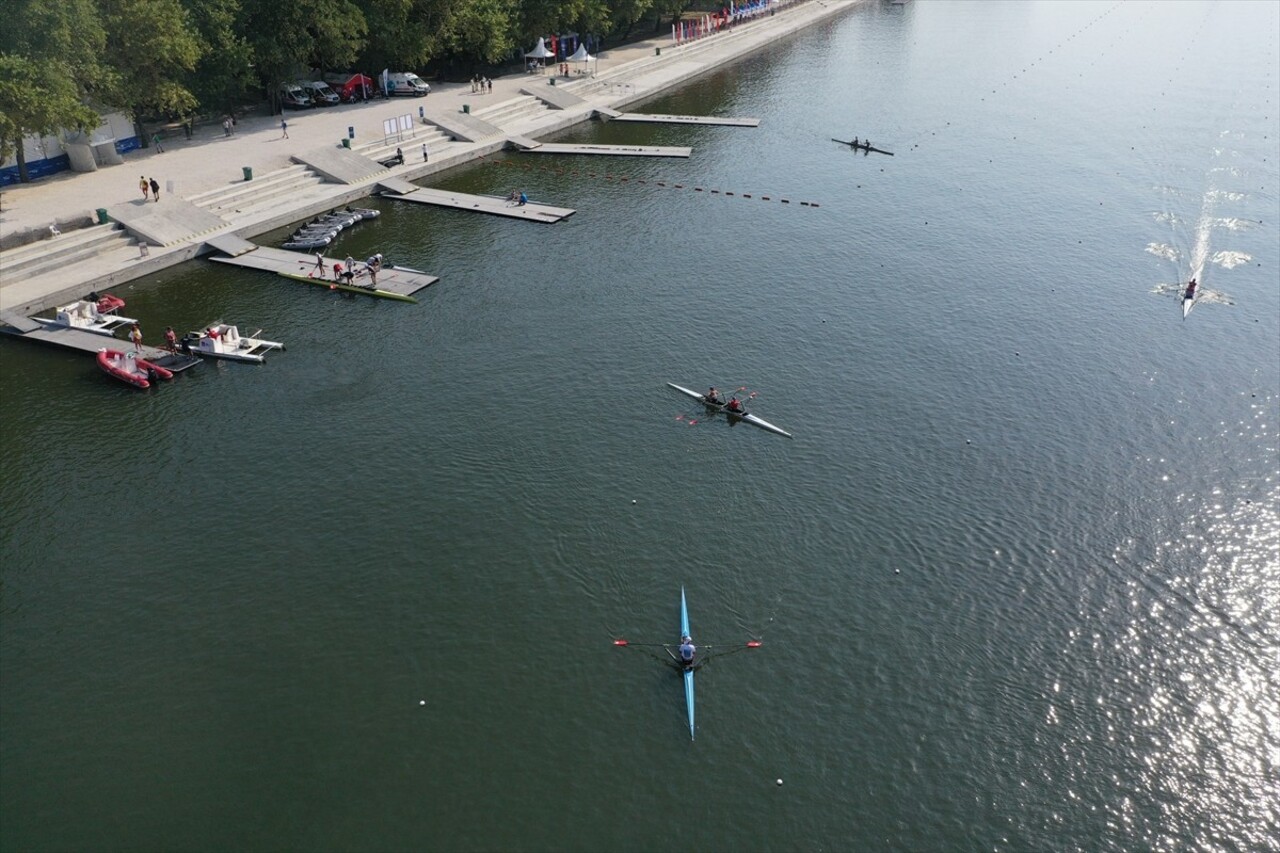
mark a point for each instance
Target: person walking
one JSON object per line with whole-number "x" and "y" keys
{"x": 490, "y": 82}
{"x": 284, "y": 129}
{"x": 155, "y": 189}
{"x": 226, "y": 127}
{"x": 135, "y": 335}
{"x": 424, "y": 152}
{"x": 155, "y": 140}
{"x": 144, "y": 186}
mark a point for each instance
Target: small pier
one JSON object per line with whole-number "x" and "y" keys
{"x": 24, "y": 328}
{"x": 405, "y": 191}
{"x": 531, "y": 146}
{"x": 397, "y": 283}
{"x": 657, "y": 118}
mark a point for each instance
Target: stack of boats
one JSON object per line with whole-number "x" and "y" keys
{"x": 322, "y": 230}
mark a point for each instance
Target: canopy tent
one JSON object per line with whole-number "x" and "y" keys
{"x": 581, "y": 55}
{"x": 539, "y": 51}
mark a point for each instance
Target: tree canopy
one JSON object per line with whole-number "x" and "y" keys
{"x": 62, "y": 61}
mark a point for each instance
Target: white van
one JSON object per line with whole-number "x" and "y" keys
{"x": 292, "y": 97}
{"x": 321, "y": 95}
{"x": 406, "y": 83}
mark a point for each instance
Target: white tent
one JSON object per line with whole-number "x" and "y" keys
{"x": 581, "y": 55}
{"x": 540, "y": 51}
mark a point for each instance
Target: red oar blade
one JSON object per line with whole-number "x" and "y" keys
{"x": 755, "y": 644}
{"x": 621, "y": 643}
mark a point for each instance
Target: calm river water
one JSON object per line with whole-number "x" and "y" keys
{"x": 1017, "y": 575}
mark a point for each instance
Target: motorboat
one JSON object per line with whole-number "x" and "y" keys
{"x": 108, "y": 303}
{"x": 225, "y": 341}
{"x": 131, "y": 368}
{"x": 86, "y": 316}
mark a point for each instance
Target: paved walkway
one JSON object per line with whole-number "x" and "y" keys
{"x": 211, "y": 161}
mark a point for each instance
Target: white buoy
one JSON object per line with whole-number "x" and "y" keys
{"x": 422, "y": 701}
{"x": 779, "y": 783}
{"x": 633, "y": 503}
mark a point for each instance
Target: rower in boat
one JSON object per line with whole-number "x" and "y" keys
{"x": 687, "y": 651}
{"x": 855, "y": 142}
{"x": 734, "y": 405}
{"x": 713, "y": 397}
{"x": 1191, "y": 290}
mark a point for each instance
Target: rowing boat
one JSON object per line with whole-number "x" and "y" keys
{"x": 1189, "y": 298}
{"x": 742, "y": 416}
{"x": 688, "y": 670}
{"x": 862, "y": 146}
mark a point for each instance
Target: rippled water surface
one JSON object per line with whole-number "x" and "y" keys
{"x": 1017, "y": 575}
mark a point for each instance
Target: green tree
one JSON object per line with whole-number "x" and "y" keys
{"x": 224, "y": 75}
{"x": 153, "y": 47}
{"x": 404, "y": 34}
{"x": 49, "y": 60}
{"x": 290, "y": 38}
{"x": 482, "y": 30}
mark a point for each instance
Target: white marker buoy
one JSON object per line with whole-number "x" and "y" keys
{"x": 422, "y": 701}
{"x": 779, "y": 783}
{"x": 633, "y": 503}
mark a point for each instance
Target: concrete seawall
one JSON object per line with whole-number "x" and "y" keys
{"x": 288, "y": 190}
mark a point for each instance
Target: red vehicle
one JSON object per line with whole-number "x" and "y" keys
{"x": 352, "y": 87}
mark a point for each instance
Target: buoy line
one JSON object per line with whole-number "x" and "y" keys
{"x": 626, "y": 179}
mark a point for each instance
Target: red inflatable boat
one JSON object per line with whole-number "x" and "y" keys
{"x": 128, "y": 367}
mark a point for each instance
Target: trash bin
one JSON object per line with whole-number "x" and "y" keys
{"x": 657, "y": 51}
{"x": 248, "y": 172}
{"x": 552, "y": 81}
{"x": 346, "y": 143}
{"x": 466, "y": 108}
{"x": 103, "y": 218}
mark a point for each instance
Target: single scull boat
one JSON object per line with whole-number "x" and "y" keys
{"x": 688, "y": 670}
{"x": 720, "y": 407}
{"x": 1188, "y": 299}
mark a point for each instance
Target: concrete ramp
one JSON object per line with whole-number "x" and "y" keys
{"x": 398, "y": 186}
{"x": 605, "y": 113}
{"x": 167, "y": 222}
{"x": 230, "y": 244}
{"x": 523, "y": 142}
{"x": 19, "y": 322}
{"x": 340, "y": 165}
{"x": 465, "y": 127}
{"x": 555, "y": 97}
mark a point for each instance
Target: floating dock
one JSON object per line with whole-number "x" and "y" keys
{"x": 495, "y": 205}
{"x": 606, "y": 114}
{"x": 531, "y": 146}
{"x": 399, "y": 283}
{"x": 24, "y": 328}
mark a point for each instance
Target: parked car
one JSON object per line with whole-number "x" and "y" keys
{"x": 293, "y": 98}
{"x": 406, "y": 83}
{"x": 321, "y": 95}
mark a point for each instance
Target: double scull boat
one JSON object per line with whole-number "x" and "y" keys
{"x": 721, "y": 407}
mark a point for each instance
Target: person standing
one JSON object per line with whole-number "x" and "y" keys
{"x": 170, "y": 339}
{"x": 226, "y": 127}
{"x": 490, "y": 82}
{"x": 155, "y": 140}
{"x": 284, "y": 129}
{"x": 424, "y": 152}
{"x": 135, "y": 335}
{"x": 155, "y": 189}
{"x": 350, "y": 266}
{"x": 144, "y": 186}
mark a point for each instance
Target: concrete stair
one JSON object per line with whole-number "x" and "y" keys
{"x": 517, "y": 109}
{"x": 63, "y": 250}
{"x": 435, "y": 139}
{"x": 260, "y": 192}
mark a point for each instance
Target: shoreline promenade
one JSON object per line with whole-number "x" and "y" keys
{"x": 209, "y": 197}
